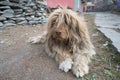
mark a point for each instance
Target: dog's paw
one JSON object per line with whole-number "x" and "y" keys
{"x": 66, "y": 65}
{"x": 80, "y": 70}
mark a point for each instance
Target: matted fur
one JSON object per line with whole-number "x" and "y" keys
{"x": 67, "y": 41}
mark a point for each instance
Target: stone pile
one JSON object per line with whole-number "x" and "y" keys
{"x": 13, "y": 12}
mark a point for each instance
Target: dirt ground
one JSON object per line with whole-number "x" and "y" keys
{"x": 20, "y": 60}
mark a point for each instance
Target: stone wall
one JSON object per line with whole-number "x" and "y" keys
{"x": 14, "y": 12}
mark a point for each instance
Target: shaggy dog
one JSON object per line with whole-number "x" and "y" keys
{"x": 67, "y": 41}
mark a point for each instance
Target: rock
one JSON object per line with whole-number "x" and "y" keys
{"x": 30, "y": 3}
{"x": 9, "y": 21}
{"x": 29, "y": 10}
{"x": 7, "y": 3}
{"x": 1, "y": 12}
{"x": 14, "y": 12}
{"x": 40, "y": 21}
{"x": 1, "y": 24}
{"x": 29, "y": 18}
{"x": 4, "y": 7}
{"x": 18, "y": 11}
{"x": 38, "y": 14}
{"x": 9, "y": 24}
{"x": 8, "y": 13}
{"x": 42, "y": 9}
{"x": 44, "y": 19}
{"x": 23, "y": 22}
{"x": 19, "y": 15}
{"x": 29, "y": 14}
{"x": 25, "y": 8}
{"x": 33, "y": 22}
{"x": 18, "y": 19}
{"x": 2, "y": 18}
{"x": 14, "y": 1}
{"x": 36, "y": 19}
{"x": 41, "y": 2}
{"x": 23, "y": 1}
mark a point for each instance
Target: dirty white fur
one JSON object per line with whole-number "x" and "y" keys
{"x": 80, "y": 65}
{"x": 66, "y": 65}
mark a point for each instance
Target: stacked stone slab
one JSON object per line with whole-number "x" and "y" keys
{"x": 13, "y": 12}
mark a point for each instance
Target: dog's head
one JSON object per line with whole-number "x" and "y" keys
{"x": 65, "y": 24}
{"x": 60, "y": 31}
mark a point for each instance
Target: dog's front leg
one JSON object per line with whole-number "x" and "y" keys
{"x": 38, "y": 39}
{"x": 80, "y": 65}
{"x": 65, "y": 61}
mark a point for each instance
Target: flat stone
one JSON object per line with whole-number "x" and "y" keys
{"x": 44, "y": 19}
{"x": 18, "y": 19}
{"x": 29, "y": 18}
{"x": 42, "y": 3}
{"x": 42, "y": 9}
{"x": 39, "y": 22}
{"x": 4, "y": 7}
{"x": 33, "y": 22}
{"x": 18, "y": 11}
{"x": 1, "y": 24}
{"x": 2, "y": 18}
{"x": 25, "y": 8}
{"x": 8, "y": 13}
{"x": 29, "y": 10}
{"x": 19, "y": 15}
{"x": 29, "y": 14}
{"x": 7, "y": 3}
{"x": 32, "y": 16}
{"x": 35, "y": 19}
{"x": 38, "y": 14}
{"x": 1, "y": 12}
{"x": 9, "y": 24}
{"x": 23, "y": 22}
{"x": 30, "y": 3}
{"x": 14, "y": 1}
{"x": 9, "y": 21}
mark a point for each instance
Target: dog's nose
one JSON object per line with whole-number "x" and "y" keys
{"x": 58, "y": 32}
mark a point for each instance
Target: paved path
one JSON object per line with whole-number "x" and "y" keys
{"x": 109, "y": 24}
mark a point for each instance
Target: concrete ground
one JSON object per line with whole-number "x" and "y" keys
{"x": 20, "y": 60}
{"x": 109, "y": 25}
